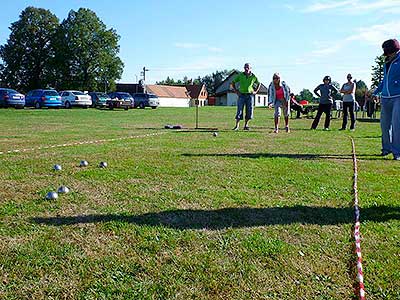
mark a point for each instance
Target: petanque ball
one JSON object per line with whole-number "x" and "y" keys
{"x": 51, "y": 196}
{"x": 83, "y": 163}
{"x": 103, "y": 164}
{"x": 63, "y": 190}
{"x": 215, "y": 134}
{"x": 57, "y": 168}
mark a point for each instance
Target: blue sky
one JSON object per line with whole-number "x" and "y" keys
{"x": 302, "y": 40}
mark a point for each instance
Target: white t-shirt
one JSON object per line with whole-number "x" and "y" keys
{"x": 348, "y": 97}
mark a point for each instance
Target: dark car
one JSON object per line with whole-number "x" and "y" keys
{"x": 43, "y": 98}
{"x": 143, "y": 100}
{"x": 125, "y": 100}
{"x": 10, "y": 97}
{"x": 99, "y": 99}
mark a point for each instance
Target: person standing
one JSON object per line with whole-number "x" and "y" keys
{"x": 246, "y": 93}
{"x": 348, "y": 90}
{"x": 389, "y": 90}
{"x": 279, "y": 95}
{"x": 324, "y": 92}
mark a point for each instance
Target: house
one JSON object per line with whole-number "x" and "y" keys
{"x": 198, "y": 94}
{"x": 170, "y": 95}
{"x": 225, "y": 96}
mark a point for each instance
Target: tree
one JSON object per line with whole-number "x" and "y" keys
{"x": 86, "y": 52}
{"x": 336, "y": 96}
{"x": 305, "y": 94}
{"x": 377, "y": 71}
{"x": 361, "y": 88}
{"x": 28, "y": 52}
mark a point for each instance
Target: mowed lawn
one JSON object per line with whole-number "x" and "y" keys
{"x": 187, "y": 215}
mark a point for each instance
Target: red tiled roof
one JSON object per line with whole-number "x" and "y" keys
{"x": 167, "y": 91}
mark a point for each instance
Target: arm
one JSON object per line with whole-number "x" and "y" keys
{"x": 233, "y": 86}
{"x": 258, "y": 88}
{"x": 316, "y": 92}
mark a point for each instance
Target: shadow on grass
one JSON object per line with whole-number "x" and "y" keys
{"x": 235, "y": 217}
{"x": 302, "y": 156}
{"x": 274, "y": 155}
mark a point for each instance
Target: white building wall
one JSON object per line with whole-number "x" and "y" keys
{"x": 259, "y": 99}
{"x": 174, "y": 102}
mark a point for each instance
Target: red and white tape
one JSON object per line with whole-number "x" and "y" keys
{"x": 357, "y": 236}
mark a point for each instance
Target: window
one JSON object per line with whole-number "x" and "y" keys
{"x": 259, "y": 99}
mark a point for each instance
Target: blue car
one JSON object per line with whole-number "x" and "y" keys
{"x": 10, "y": 97}
{"x": 43, "y": 98}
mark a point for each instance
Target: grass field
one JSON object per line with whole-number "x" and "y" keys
{"x": 186, "y": 215}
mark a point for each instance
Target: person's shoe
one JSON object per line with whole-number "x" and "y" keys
{"x": 342, "y": 129}
{"x": 326, "y": 129}
{"x": 385, "y": 153}
{"x": 236, "y": 128}
{"x": 352, "y": 129}
{"x": 246, "y": 128}
{"x": 396, "y": 157}
{"x": 276, "y": 130}
{"x": 287, "y": 129}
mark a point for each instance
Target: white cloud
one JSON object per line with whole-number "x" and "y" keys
{"x": 197, "y": 46}
{"x": 376, "y": 34}
{"x": 355, "y": 6}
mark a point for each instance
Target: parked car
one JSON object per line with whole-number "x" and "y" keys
{"x": 143, "y": 100}
{"x": 43, "y": 98}
{"x": 122, "y": 100}
{"x": 10, "y": 97}
{"x": 99, "y": 99}
{"x": 75, "y": 98}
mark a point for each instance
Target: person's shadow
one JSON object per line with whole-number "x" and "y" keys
{"x": 234, "y": 217}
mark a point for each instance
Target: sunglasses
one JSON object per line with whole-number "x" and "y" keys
{"x": 276, "y": 78}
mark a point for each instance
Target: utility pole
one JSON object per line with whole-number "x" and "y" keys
{"x": 144, "y": 73}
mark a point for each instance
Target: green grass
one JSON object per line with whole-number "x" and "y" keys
{"x": 186, "y": 215}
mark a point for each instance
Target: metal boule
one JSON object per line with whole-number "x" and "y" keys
{"x": 51, "y": 196}
{"x": 83, "y": 163}
{"x": 63, "y": 190}
{"x": 215, "y": 134}
{"x": 57, "y": 168}
{"x": 103, "y": 164}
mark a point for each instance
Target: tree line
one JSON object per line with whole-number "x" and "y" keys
{"x": 212, "y": 81}
{"x": 78, "y": 53}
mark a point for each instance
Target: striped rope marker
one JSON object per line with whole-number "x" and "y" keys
{"x": 357, "y": 236}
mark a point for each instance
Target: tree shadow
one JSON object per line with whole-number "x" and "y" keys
{"x": 273, "y": 155}
{"x": 234, "y": 217}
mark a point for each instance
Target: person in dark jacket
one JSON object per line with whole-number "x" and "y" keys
{"x": 389, "y": 91}
{"x": 324, "y": 92}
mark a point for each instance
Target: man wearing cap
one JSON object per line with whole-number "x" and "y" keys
{"x": 246, "y": 93}
{"x": 389, "y": 90}
{"x": 325, "y": 92}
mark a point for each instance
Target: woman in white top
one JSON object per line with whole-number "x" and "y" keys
{"x": 348, "y": 90}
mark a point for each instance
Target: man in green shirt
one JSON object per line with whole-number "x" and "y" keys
{"x": 246, "y": 93}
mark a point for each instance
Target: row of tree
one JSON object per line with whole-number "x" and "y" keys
{"x": 78, "y": 53}
{"x": 212, "y": 81}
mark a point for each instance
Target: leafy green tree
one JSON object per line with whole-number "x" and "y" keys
{"x": 377, "y": 71}
{"x": 306, "y": 94}
{"x": 361, "y": 88}
{"x": 27, "y": 55}
{"x": 86, "y": 52}
{"x": 337, "y": 96}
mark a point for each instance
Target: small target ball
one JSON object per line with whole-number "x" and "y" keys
{"x": 51, "y": 196}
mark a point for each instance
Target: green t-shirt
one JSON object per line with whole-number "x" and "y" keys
{"x": 246, "y": 82}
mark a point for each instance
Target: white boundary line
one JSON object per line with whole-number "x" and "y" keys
{"x": 81, "y": 143}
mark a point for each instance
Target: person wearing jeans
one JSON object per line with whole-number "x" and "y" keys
{"x": 324, "y": 92}
{"x": 246, "y": 92}
{"x": 389, "y": 89}
{"x": 348, "y": 90}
